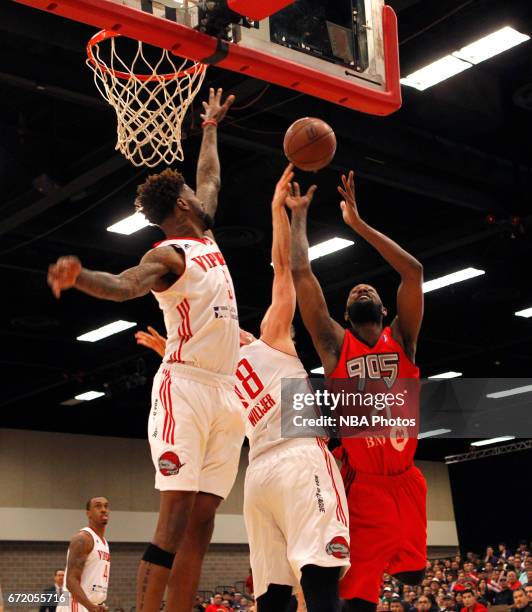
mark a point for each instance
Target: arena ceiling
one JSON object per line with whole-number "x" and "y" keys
{"x": 449, "y": 177}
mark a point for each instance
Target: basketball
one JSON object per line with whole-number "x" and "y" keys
{"x": 310, "y": 144}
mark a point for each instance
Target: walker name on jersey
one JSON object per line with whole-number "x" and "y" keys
{"x": 210, "y": 260}
{"x": 383, "y": 366}
{"x": 261, "y": 409}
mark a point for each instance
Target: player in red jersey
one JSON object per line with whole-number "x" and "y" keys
{"x": 386, "y": 493}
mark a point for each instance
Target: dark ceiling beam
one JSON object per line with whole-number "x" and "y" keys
{"x": 80, "y": 183}
{"x": 52, "y": 91}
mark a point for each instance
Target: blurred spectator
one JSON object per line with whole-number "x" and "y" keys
{"x": 243, "y": 605}
{"x": 447, "y": 603}
{"x": 469, "y": 599}
{"x": 199, "y": 605}
{"x": 249, "y": 583}
{"x": 216, "y": 603}
{"x": 528, "y": 591}
{"x": 226, "y": 605}
{"x": 237, "y": 598}
{"x": 490, "y": 557}
{"x": 521, "y": 601}
{"x": 526, "y": 576}
{"x": 55, "y": 589}
{"x": 503, "y": 553}
{"x": 513, "y": 583}
{"x": 504, "y": 596}
{"x": 424, "y": 604}
{"x": 396, "y": 605}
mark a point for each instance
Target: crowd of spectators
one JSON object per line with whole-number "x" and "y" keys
{"x": 500, "y": 577}
{"x": 475, "y": 583}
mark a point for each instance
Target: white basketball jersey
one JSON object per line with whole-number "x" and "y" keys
{"x": 95, "y": 575}
{"x": 258, "y": 387}
{"x": 200, "y": 311}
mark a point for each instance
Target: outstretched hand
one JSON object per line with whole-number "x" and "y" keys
{"x": 214, "y": 109}
{"x": 282, "y": 187}
{"x": 348, "y": 205}
{"x": 152, "y": 339}
{"x": 63, "y": 274}
{"x": 296, "y": 201}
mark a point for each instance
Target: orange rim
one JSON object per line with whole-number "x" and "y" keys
{"x": 107, "y": 34}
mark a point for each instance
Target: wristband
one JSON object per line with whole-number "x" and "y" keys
{"x": 209, "y": 122}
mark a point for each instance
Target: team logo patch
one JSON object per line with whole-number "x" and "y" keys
{"x": 169, "y": 464}
{"x": 338, "y": 548}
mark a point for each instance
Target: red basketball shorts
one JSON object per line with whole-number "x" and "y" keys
{"x": 388, "y": 529}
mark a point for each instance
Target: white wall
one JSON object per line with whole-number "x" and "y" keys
{"x": 46, "y": 478}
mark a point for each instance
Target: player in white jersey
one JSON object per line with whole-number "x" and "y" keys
{"x": 195, "y": 428}
{"x": 88, "y": 562}
{"x": 294, "y": 501}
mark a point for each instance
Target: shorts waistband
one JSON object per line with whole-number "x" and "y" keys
{"x": 205, "y": 377}
{"x": 391, "y": 480}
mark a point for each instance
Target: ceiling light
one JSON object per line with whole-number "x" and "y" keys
{"x": 492, "y": 441}
{"x": 526, "y": 313}
{"x": 319, "y": 370}
{"x": 509, "y": 392}
{"x": 329, "y": 246}
{"x": 434, "y": 73}
{"x": 450, "y": 374}
{"x": 88, "y": 396}
{"x": 434, "y": 432}
{"x": 129, "y": 225}
{"x": 451, "y": 279}
{"x": 105, "y": 331}
{"x": 491, "y": 45}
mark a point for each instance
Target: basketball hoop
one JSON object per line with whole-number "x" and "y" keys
{"x": 150, "y": 98}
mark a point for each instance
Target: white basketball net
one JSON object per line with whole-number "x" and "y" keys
{"x": 150, "y": 99}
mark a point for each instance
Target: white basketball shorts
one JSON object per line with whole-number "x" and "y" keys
{"x": 195, "y": 430}
{"x": 296, "y": 514}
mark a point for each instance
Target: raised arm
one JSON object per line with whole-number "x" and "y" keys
{"x": 208, "y": 180}
{"x": 407, "y": 323}
{"x": 157, "y": 270}
{"x": 327, "y": 335}
{"x": 80, "y": 547}
{"x": 276, "y": 324}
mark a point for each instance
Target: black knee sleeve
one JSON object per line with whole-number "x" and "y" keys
{"x": 320, "y": 588}
{"x": 359, "y": 605}
{"x": 276, "y": 599}
{"x": 158, "y": 556}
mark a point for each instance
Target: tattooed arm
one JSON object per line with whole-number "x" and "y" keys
{"x": 157, "y": 270}
{"x": 80, "y": 547}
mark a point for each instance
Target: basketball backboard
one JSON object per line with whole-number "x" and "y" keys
{"x": 343, "y": 51}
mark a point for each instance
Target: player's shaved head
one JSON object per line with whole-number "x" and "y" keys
{"x": 93, "y": 500}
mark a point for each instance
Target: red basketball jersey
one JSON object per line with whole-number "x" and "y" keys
{"x": 386, "y": 360}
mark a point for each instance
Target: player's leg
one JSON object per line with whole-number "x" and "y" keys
{"x": 154, "y": 570}
{"x": 408, "y": 564}
{"x": 320, "y": 587}
{"x": 314, "y": 522}
{"x": 177, "y": 432}
{"x": 276, "y": 599}
{"x": 184, "y": 577}
{"x": 273, "y": 578}
{"x": 374, "y": 526}
{"x": 224, "y": 433}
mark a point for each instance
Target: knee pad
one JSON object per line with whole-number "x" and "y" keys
{"x": 158, "y": 556}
